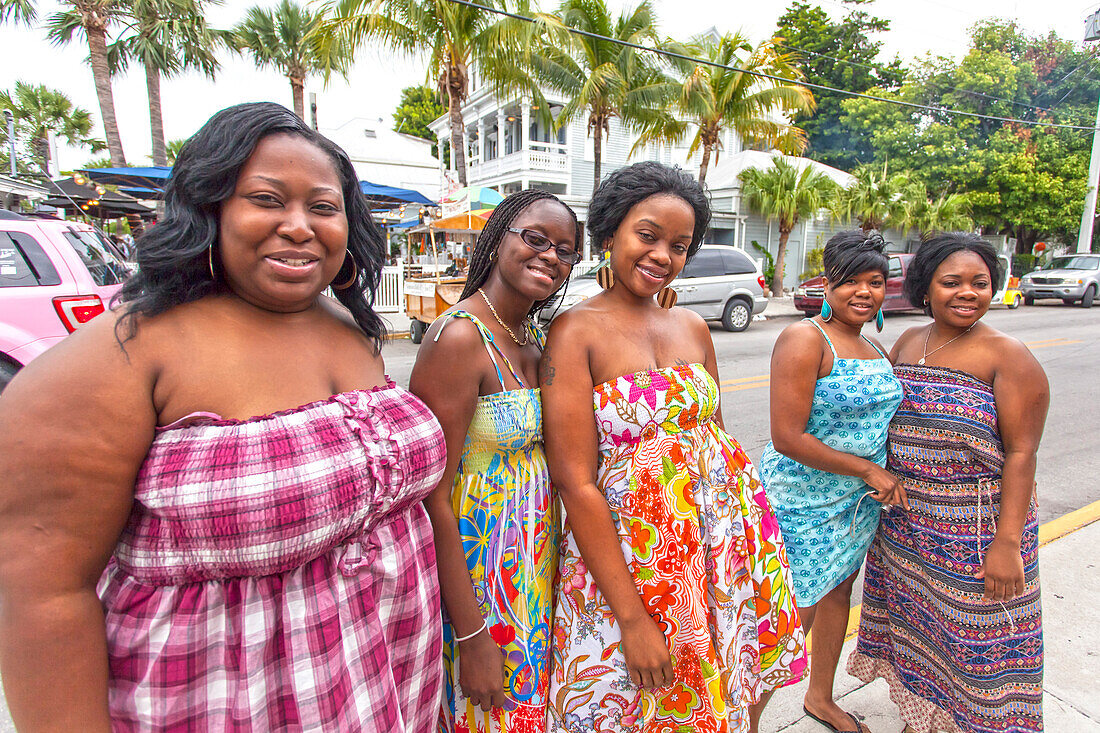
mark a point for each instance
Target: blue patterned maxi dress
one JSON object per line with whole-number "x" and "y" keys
{"x": 826, "y": 527}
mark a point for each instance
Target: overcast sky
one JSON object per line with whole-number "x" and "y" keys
{"x": 917, "y": 27}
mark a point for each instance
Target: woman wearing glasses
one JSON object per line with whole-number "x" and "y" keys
{"x": 493, "y": 513}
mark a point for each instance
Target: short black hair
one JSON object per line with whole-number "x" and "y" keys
{"x": 172, "y": 257}
{"x": 935, "y": 250}
{"x": 481, "y": 259}
{"x": 852, "y": 252}
{"x": 621, "y": 190}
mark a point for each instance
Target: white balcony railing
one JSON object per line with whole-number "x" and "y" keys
{"x": 550, "y": 158}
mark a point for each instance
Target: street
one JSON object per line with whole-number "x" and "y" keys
{"x": 1063, "y": 339}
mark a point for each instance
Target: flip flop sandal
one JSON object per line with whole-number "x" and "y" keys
{"x": 830, "y": 726}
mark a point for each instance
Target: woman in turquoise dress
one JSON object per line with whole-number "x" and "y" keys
{"x": 493, "y": 513}
{"x": 833, "y": 393}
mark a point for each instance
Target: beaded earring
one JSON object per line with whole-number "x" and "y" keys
{"x": 880, "y": 321}
{"x": 605, "y": 278}
{"x": 826, "y": 310}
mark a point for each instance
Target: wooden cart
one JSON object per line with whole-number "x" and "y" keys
{"x": 426, "y": 299}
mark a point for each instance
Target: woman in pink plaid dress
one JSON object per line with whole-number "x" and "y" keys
{"x": 225, "y": 458}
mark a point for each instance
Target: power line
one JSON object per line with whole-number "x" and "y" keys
{"x": 785, "y": 80}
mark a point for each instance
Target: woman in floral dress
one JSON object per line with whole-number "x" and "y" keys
{"x": 673, "y": 608}
{"x": 494, "y": 515}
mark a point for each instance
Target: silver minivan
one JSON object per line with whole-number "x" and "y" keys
{"x": 720, "y": 283}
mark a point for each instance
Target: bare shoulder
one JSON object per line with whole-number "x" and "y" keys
{"x": 576, "y": 325}
{"x": 1009, "y": 354}
{"x": 909, "y": 335}
{"x": 800, "y": 335}
{"x": 450, "y": 336}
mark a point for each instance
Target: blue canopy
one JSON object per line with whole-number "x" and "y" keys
{"x": 389, "y": 194}
{"x": 152, "y": 177}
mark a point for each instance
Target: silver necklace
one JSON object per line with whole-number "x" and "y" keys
{"x": 526, "y": 335}
{"x": 928, "y": 353}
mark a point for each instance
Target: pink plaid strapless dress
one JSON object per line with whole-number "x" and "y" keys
{"x": 278, "y": 573}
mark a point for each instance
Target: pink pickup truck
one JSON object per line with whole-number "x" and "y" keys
{"x": 54, "y": 276}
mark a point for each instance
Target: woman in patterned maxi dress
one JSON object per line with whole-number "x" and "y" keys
{"x": 823, "y": 470}
{"x": 230, "y": 437}
{"x": 495, "y": 516}
{"x": 951, "y": 610}
{"x": 673, "y": 609}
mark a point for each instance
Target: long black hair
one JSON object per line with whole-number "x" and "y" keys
{"x": 481, "y": 259}
{"x": 934, "y": 251}
{"x": 173, "y": 256}
{"x": 852, "y": 252}
{"x": 626, "y": 187}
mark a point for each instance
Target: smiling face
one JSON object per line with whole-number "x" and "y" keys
{"x": 536, "y": 275}
{"x": 282, "y": 234}
{"x": 650, "y": 246}
{"x": 857, "y": 299}
{"x": 961, "y": 290}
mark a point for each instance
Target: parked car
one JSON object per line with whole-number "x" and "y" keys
{"x": 720, "y": 283}
{"x": 1072, "y": 278}
{"x": 54, "y": 277}
{"x": 809, "y": 294}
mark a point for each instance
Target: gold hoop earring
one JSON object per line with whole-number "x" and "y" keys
{"x": 666, "y": 298}
{"x": 210, "y": 261}
{"x": 351, "y": 280}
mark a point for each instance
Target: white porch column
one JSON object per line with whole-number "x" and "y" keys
{"x": 525, "y": 130}
{"x": 500, "y": 133}
{"x": 481, "y": 139}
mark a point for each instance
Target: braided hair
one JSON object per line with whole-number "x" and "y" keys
{"x": 481, "y": 260}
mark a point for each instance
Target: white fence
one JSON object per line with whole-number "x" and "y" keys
{"x": 390, "y": 296}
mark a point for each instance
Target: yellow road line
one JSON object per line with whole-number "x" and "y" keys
{"x": 1058, "y": 343}
{"x": 745, "y": 379}
{"x": 1052, "y": 530}
{"x": 751, "y": 385}
{"x": 1044, "y": 341}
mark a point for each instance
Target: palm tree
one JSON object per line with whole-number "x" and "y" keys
{"x": 283, "y": 38}
{"x": 454, "y": 37}
{"x": 604, "y": 79}
{"x": 716, "y": 99}
{"x": 93, "y": 18}
{"x": 39, "y": 111}
{"x": 172, "y": 150}
{"x": 946, "y": 212}
{"x": 875, "y": 198}
{"x": 784, "y": 194}
{"x": 168, "y": 36}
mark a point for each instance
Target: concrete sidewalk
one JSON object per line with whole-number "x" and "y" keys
{"x": 1068, "y": 567}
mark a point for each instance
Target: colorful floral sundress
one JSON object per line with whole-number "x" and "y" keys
{"x": 707, "y": 558}
{"x": 508, "y": 521}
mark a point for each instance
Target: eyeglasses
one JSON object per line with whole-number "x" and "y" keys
{"x": 540, "y": 243}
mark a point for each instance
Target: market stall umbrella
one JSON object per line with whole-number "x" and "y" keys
{"x": 378, "y": 194}
{"x": 71, "y": 196}
{"x": 470, "y": 221}
{"x": 475, "y": 197}
{"x": 152, "y": 178}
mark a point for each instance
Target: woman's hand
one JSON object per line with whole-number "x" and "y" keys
{"x": 1003, "y": 571}
{"x": 481, "y": 672}
{"x": 647, "y": 658}
{"x": 887, "y": 486}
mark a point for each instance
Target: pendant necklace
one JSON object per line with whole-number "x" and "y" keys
{"x": 928, "y": 353}
{"x": 527, "y": 336}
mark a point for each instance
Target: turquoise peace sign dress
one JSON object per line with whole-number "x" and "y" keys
{"x": 828, "y": 520}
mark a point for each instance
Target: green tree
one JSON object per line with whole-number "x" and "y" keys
{"x": 454, "y": 37}
{"x": 172, "y": 150}
{"x": 839, "y": 54}
{"x": 875, "y": 198}
{"x": 603, "y": 79}
{"x": 284, "y": 38}
{"x": 40, "y": 111}
{"x": 418, "y": 108}
{"x": 716, "y": 99}
{"x": 166, "y": 37}
{"x": 93, "y": 19}
{"x": 785, "y": 195}
{"x": 943, "y": 213}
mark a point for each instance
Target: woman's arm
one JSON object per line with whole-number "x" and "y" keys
{"x": 796, "y": 360}
{"x": 569, "y": 427}
{"x": 447, "y": 378}
{"x": 75, "y": 426}
{"x": 1022, "y": 395}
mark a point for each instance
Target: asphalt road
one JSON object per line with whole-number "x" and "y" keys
{"x": 1066, "y": 340}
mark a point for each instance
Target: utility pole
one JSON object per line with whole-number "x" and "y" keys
{"x": 1084, "y": 236}
{"x": 313, "y": 108}
{"x": 11, "y": 138}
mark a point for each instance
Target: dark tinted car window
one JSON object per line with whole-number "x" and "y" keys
{"x": 24, "y": 263}
{"x": 895, "y": 267}
{"x": 103, "y": 266}
{"x": 706, "y": 263}
{"x": 737, "y": 263}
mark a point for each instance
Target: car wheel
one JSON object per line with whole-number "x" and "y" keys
{"x": 1028, "y": 300}
{"x": 7, "y": 373}
{"x": 416, "y": 331}
{"x": 1090, "y": 294}
{"x": 737, "y": 315}
{"x": 1014, "y": 303}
